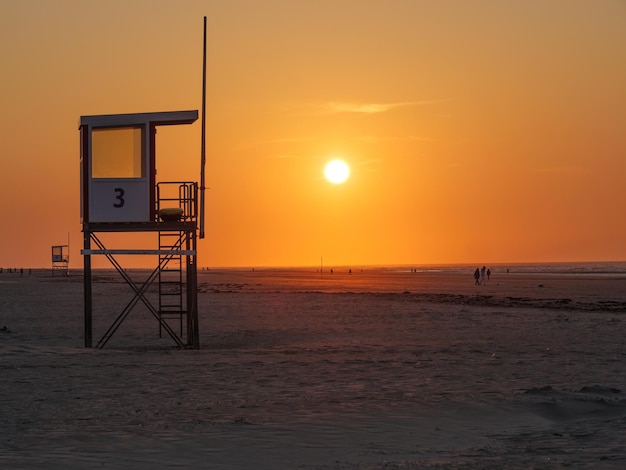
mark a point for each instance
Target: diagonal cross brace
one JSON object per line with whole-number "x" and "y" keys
{"x": 139, "y": 295}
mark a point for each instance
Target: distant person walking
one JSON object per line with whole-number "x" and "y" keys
{"x": 483, "y": 272}
{"x": 488, "y": 273}
{"x": 477, "y": 277}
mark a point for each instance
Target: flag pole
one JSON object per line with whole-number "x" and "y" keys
{"x": 203, "y": 142}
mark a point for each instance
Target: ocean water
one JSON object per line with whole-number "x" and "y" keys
{"x": 605, "y": 267}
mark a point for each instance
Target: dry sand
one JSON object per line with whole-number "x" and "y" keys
{"x": 377, "y": 369}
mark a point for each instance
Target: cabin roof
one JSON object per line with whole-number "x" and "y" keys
{"x": 167, "y": 118}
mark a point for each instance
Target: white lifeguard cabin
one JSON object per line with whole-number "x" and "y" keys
{"x": 118, "y": 167}
{"x": 119, "y": 193}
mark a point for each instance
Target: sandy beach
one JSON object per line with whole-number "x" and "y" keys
{"x": 377, "y": 369}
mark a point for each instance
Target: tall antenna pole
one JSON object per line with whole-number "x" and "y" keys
{"x": 203, "y": 144}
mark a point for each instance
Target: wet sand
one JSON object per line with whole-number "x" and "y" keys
{"x": 374, "y": 369}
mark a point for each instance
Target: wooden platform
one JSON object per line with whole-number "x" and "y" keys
{"x": 140, "y": 227}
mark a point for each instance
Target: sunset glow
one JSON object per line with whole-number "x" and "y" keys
{"x": 475, "y": 132}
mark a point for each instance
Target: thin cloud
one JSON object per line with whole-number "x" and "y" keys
{"x": 372, "y": 139}
{"x": 419, "y": 138}
{"x": 372, "y": 108}
{"x": 564, "y": 169}
{"x": 284, "y": 140}
{"x": 284, "y": 156}
{"x": 365, "y": 139}
{"x": 369, "y": 139}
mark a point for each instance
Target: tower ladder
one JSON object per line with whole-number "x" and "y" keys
{"x": 171, "y": 281}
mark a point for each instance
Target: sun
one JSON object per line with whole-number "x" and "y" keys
{"x": 336, "y": 171}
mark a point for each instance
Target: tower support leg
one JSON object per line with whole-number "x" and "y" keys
{"x": 87, "y": 289}
{"x": 193, "y": 335}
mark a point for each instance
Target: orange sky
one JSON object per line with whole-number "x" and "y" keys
{"x": 476, "y": 131}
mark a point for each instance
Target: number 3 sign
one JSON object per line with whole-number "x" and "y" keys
{"x": 120, "y": 197}
{"x": 122, "y": 200}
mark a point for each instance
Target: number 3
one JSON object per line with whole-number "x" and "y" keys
{"x": 119, "y": 196}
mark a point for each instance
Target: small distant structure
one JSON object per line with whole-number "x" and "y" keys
{"x": 61, "y": 260}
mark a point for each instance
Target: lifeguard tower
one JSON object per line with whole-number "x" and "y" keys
{"x": 61, "y": 259}
{"x": 120, "y": 194}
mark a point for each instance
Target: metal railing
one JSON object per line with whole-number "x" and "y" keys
{"x": 178, "y": 194}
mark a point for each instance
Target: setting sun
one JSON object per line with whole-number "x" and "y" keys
{"x": 336, "y": 171}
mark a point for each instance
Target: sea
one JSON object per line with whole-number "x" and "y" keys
{"x": 566, "y": 268}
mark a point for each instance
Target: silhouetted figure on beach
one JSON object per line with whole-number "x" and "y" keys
{"x": 477, "y": 277}
{"x": 488, "y": 273}
{"x": 483, "y": 272}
